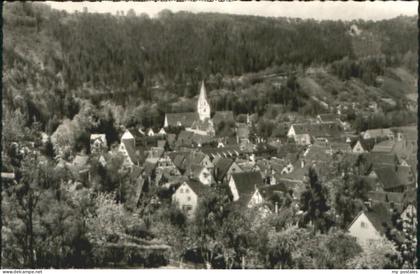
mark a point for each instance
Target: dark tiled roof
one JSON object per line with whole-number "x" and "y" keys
{"x": 384, "y": 146}
{"x": 137, "y": 181}
{"x": 186, "y": 118}
{"x": 131, "y": 150}
{"x": 331, "y": 129}
{"x": 188, "y": 138}
{"x": 246, "y": 182}
{"x": 269, "y": 191}
{"x": 386, "y": 197}
{"x": 221, "y": 167}
{"x": 379, "y": 215}
{"x": 318, "y": 154}
{"x": 197, "y": 187}
{"x": 388, "y": 177}
{"x": 379, "y": 132}
{"x": 410, "y": 197}
{"x": 179, "y": 159}
{"x": 405, "y": 175}
{"x": 136, "y": 133}
{"x": 227, "y": 151}
{"x": 149, "y": 167}
{"x": 379, "y": 158}
{"x": 328, "y": 117}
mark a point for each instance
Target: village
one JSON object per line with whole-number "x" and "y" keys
{"x": 292, "y": 156}
{"x": 257, "y": 169}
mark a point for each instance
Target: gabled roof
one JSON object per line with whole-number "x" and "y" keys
{"x": 134, "y": 132}
{"x": 269, "y": 191}
{"x": 330, "y": 129}
{"x": 410, "y": 197}
{"x": 195, "y": 170}
{"x": 246, "y": 184}
{"x": 149, "y": 167}
{"x": 188, "y": 138}
{"x": 197, "y": 187}
{"x": 131, "y": 150}
{"x": 386, "y": 197}
{"x": 367, "y": 145}
{"x": 405, "y": 175}
{"x": 379, "y": 215}
{"x": 102, "y": 137}
{"x": 379, "y": 132}
{"x": 185, "y": 118}
{"x": 384, "y": 146}
{"x": 410, "y": 132}
{"x": 179, "y": 158}
{"x": 328, "y": 117}
{"x": 388, "y": 177}
{"x": 227, "y": 151}
{"x": 381, "y": 158}
{"x": 221, "y": 167}
{"x": 195, "y": 157}
{"x": 155, "y": 153}
{"x": 317, "y": 154}
{"x": 138, "y": 182}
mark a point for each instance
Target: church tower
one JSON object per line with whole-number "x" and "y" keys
{"x": 203, "y": 107}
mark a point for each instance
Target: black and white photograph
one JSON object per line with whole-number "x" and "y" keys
{"x": 209, "y": 135}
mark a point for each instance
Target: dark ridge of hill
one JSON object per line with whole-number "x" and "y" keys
{"x": 131, "y": 60}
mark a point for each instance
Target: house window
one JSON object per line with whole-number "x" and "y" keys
{"x": 181, "y": 190}
{"x": 363, "y": 225}
{"x": 188, "y": 198}
{"x": 186, "y": 208}
{"x": 187, "y": 191}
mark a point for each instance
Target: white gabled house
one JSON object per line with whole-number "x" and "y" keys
{"x": 244, "y": 188}
{"x": 150, "y": 132}
{"x": 368, "y": 227}
{"x": 98, "y": 143}
{"x": 358, "y": 147}
{"x": 162, "y": 132}
{"x": 187, "y": 196}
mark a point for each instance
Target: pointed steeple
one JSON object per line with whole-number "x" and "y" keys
{"x": 203, "y": 93}
{"x": 203, "y": 107}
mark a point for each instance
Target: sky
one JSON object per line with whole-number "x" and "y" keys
{"x": 377, "y": 10}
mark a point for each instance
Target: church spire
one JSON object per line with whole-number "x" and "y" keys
{"x": 203, "y": 93}
{"x": 203, "y": 107}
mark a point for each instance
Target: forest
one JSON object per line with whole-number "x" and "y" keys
{"x": 69, "y": 75}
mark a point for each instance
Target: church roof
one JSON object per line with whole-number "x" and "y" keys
{"x": 185, "y": 119}
{"x": 204, "y": 125}
{"x": 203, "y": 93}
